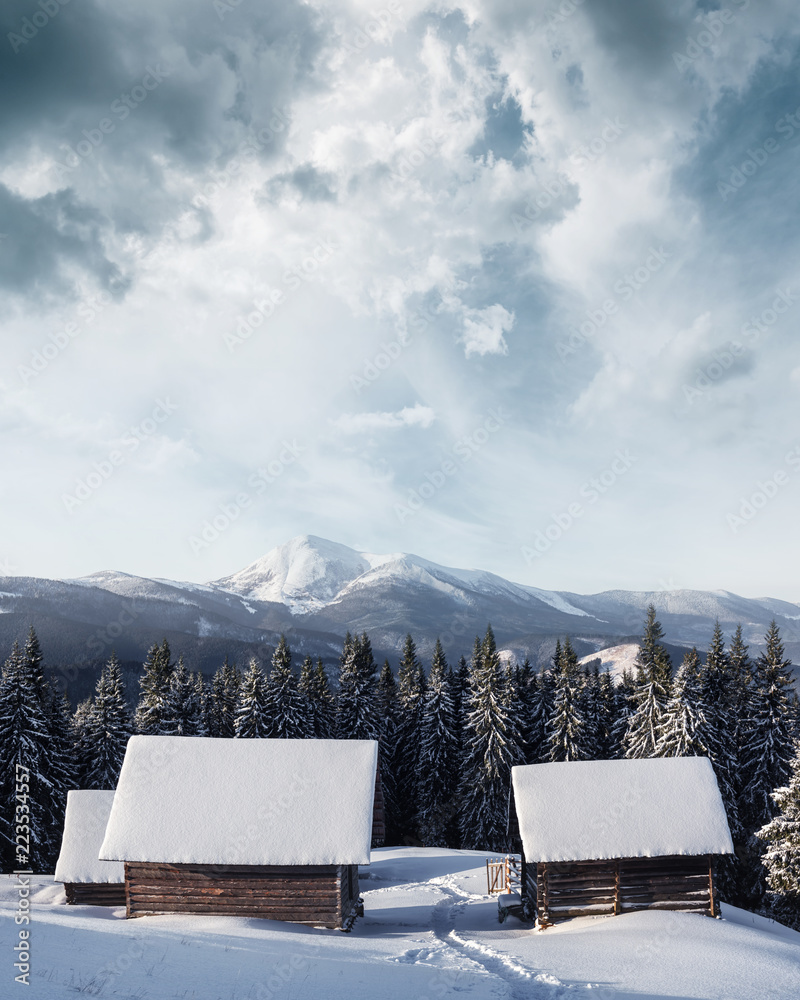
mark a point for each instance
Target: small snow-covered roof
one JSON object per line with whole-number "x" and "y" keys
{"x": 598, "y": 809}
{"x": 196, "y": 800}
{"x": 84, "y": 828}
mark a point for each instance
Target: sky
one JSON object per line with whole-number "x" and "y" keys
{"x": 509, "y": 285}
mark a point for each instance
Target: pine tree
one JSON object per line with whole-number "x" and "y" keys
{"x": 460, "y": 688}
{"x": 624, "y": 704}
{"x": 106, "y": 730}
{"x": 568, "y": 735}
{"x": 152, "y": 711}
{"x": 767, "y": 753}
{"x": 223, "y": 701}
{"x": 25, "y": 750}
{"x": 598, "y": 700}
{"x": 410, "y": 694}
{"x": 251, "y": 720}
{"x": 438, "y": 757}
{"x": 198, "y": 713}
{"x": 288, "y": 709}
{"x": 765, "y": 761}
{"x": 652, "y": 691}
{"x": 538, "y": 750}
{"x": 313, "y": 686}
{"x": 525, "y": 695}
{"x": 388, "y": 714}
{"x": 356, "y": 708}
{"x": 182, "y": 714}
{"x": 781, "y": 859}
{"x": 492, "y": 750}
{"x": 719, "y": 732}
{"x": 683, "y": 723}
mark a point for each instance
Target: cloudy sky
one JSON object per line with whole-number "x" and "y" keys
{"x": 507, "y": 284}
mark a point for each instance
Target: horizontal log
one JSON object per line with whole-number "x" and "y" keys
{"x": 685, "y": 907}
{"x": 580, "y": 911}
{"x": 215, "y": 871}
{"x": 275, "y": 889}
{"x": 283, "y": 912}
{"x": 309, "y": 916}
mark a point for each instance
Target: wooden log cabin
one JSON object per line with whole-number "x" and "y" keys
{"x": 611, "y": 837}
{"x": 254, "y": 828}
{"x": 87, "y": 880}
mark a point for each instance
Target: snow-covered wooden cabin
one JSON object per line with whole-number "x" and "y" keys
{"x": 619, "y": 835}
{"x": 258, "y": 828}
{"x": 87, "y": 880}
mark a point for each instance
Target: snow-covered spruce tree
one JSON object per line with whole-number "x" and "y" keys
{"x": 652, "y": 691}
{"x": 598, "y": 710}
{"x": 106, "y": 730}
{"x": 388, "y": 715}
{"x": 537, "y": 751}
{"x": 683, "y": 724}
{"x": 223, "y": 701}
{"x": 741, "y": 703}
{"x": 313, "y": 686}
{"x": 492, "y": 749}
{"x": 288, "y": 708}
{"x": 568, "y": 735}
{"x": 251, "y": 719}
{"x": 767, "y": 754}
{"x": 781, "y": 859}
{"x": 356, "y": 705}
{"x": 152, "y": 710}
{"x": 183, "y": 710}
{"x": 766, "y": 760}
{"x": 526, "y": 689}
{"x": 410, "y": 695}
{"x": 717, "y": 727}
{"x": 624, "y": 695}
{"x": 199, "y": 712}
{"x": 438, "y": 757}
{"x": 25, "y": 749}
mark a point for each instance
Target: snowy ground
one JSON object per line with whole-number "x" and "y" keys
{"x": 429, "y": 932}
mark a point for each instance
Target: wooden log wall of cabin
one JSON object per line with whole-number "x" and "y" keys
{"x": 309, "y": 894}
{"x": 378, "y": 813}
{"x": 625, "y": 885}
{"x": 95, "y": 893}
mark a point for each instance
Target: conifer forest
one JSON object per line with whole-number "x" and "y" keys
{"x": 449, "y": 734}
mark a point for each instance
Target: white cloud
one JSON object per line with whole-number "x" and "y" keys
{"x": 409, "y": 416}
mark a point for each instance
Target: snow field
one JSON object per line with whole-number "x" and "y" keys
{"x": 429, "y": 931}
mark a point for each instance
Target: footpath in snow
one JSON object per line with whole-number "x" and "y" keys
{"x": 429, "y": 931}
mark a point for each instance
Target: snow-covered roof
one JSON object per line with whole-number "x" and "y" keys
{"x": 195, "y": 800}
{"x": 596, "y": 809}
{"x": 84, "y": 828}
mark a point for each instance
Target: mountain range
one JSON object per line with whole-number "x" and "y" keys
{"x": 315, "y": 590}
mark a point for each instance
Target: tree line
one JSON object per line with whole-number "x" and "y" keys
{"x": 448, "y": 736}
